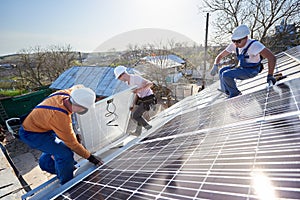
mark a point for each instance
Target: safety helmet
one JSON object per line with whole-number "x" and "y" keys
{"x": 240, "y": 32}
{"x": 84, "y": 97}
{"x": 119, "y": 70}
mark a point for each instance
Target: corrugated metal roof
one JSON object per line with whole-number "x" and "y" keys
{"x": 165, "y": 61}
{"x": 100, "y": 79}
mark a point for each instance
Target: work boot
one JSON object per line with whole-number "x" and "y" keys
{"x": 138, "y": 131}
{"x": 239, "y": 94}
{"x": 148, "y": 126}
{"x": 225, "y": 92}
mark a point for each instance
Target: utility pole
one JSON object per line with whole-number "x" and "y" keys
{"x": 205, "y": 52}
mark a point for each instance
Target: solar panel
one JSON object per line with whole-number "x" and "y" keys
{"x": 203, "y": 147}
{"x": 246, "y": 148}
{"x": 102, "y": 125}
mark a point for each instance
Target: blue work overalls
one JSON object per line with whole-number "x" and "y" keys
{"x": 63, "y": 163}
{"x": 244, "y": 71}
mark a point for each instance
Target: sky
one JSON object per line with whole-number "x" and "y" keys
{"x": 86, "y": 24}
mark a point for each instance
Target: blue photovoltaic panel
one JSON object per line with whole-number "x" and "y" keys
{"x": 222, "y": 151}
{"x": 205, "y": 146}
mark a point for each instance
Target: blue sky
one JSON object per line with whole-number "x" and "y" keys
{"x": 86, "y": 24}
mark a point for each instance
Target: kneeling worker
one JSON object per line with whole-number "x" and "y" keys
{"x": 48, "y": 128}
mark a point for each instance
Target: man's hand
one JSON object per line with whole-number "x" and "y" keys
{"x": 271, "y": 78}
{"x": 136, "y": 90}
{"x": 95, "y": 160}
{"x": 214, "y": 69}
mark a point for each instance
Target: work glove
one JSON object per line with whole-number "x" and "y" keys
{"x": 271, "y": 78}
{"x": 214, "y": 69}
{"x": 95, "y": 160}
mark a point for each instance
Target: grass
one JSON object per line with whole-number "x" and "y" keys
{"x": 12, "y": 93}
{"x": 9, "y": 85}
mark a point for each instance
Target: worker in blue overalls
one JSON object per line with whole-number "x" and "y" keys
{"x": 48, "y": 128}
{"x": 249, "y": 53}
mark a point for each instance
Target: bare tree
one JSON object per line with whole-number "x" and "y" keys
{"x": 29, "y": 67}
{"x": 154, "y": 66}
{"x": 59, "y": 58}
{"x": 260, "y": 15}
{"x": 133, "y": 56}
{"x": 39, "y": 67}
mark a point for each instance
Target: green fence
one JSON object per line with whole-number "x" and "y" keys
{"x": 20, "y": 105}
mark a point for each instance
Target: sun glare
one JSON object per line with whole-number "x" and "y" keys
{"x": 262, "y": 185}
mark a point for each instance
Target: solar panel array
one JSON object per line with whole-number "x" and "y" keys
{"x": 243, "y": 148}
{"x": 206, "y": 147}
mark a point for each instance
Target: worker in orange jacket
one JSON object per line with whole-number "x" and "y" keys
{"x": 48, "y": 128}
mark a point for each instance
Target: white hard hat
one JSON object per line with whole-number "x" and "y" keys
{"x": 119, "y": 70}
{"x": 240, "y": 32}
{"x": 84, "y": 97}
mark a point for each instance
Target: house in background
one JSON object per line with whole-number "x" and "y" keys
{"x": 7, "y": 66}
{"x": 284, "y": 27}
{"x": 169, "y": 71}
{"x": 171, "y": 67}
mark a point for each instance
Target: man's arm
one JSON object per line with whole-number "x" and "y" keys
{"x": 215, "y": 69}
{"x": 146, "y": 84}
{"x": 220, "y": 56}
{"x": 266, "y": 53}
{"x": 66, "y": 134}
{"x": 62, "y": 126}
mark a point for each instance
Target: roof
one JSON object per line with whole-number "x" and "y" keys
{"x": 11, "y": 188}
{"x": 165, "y": 61}
{"x": 100, "y": 79}
{"x": 208, "y": 147}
